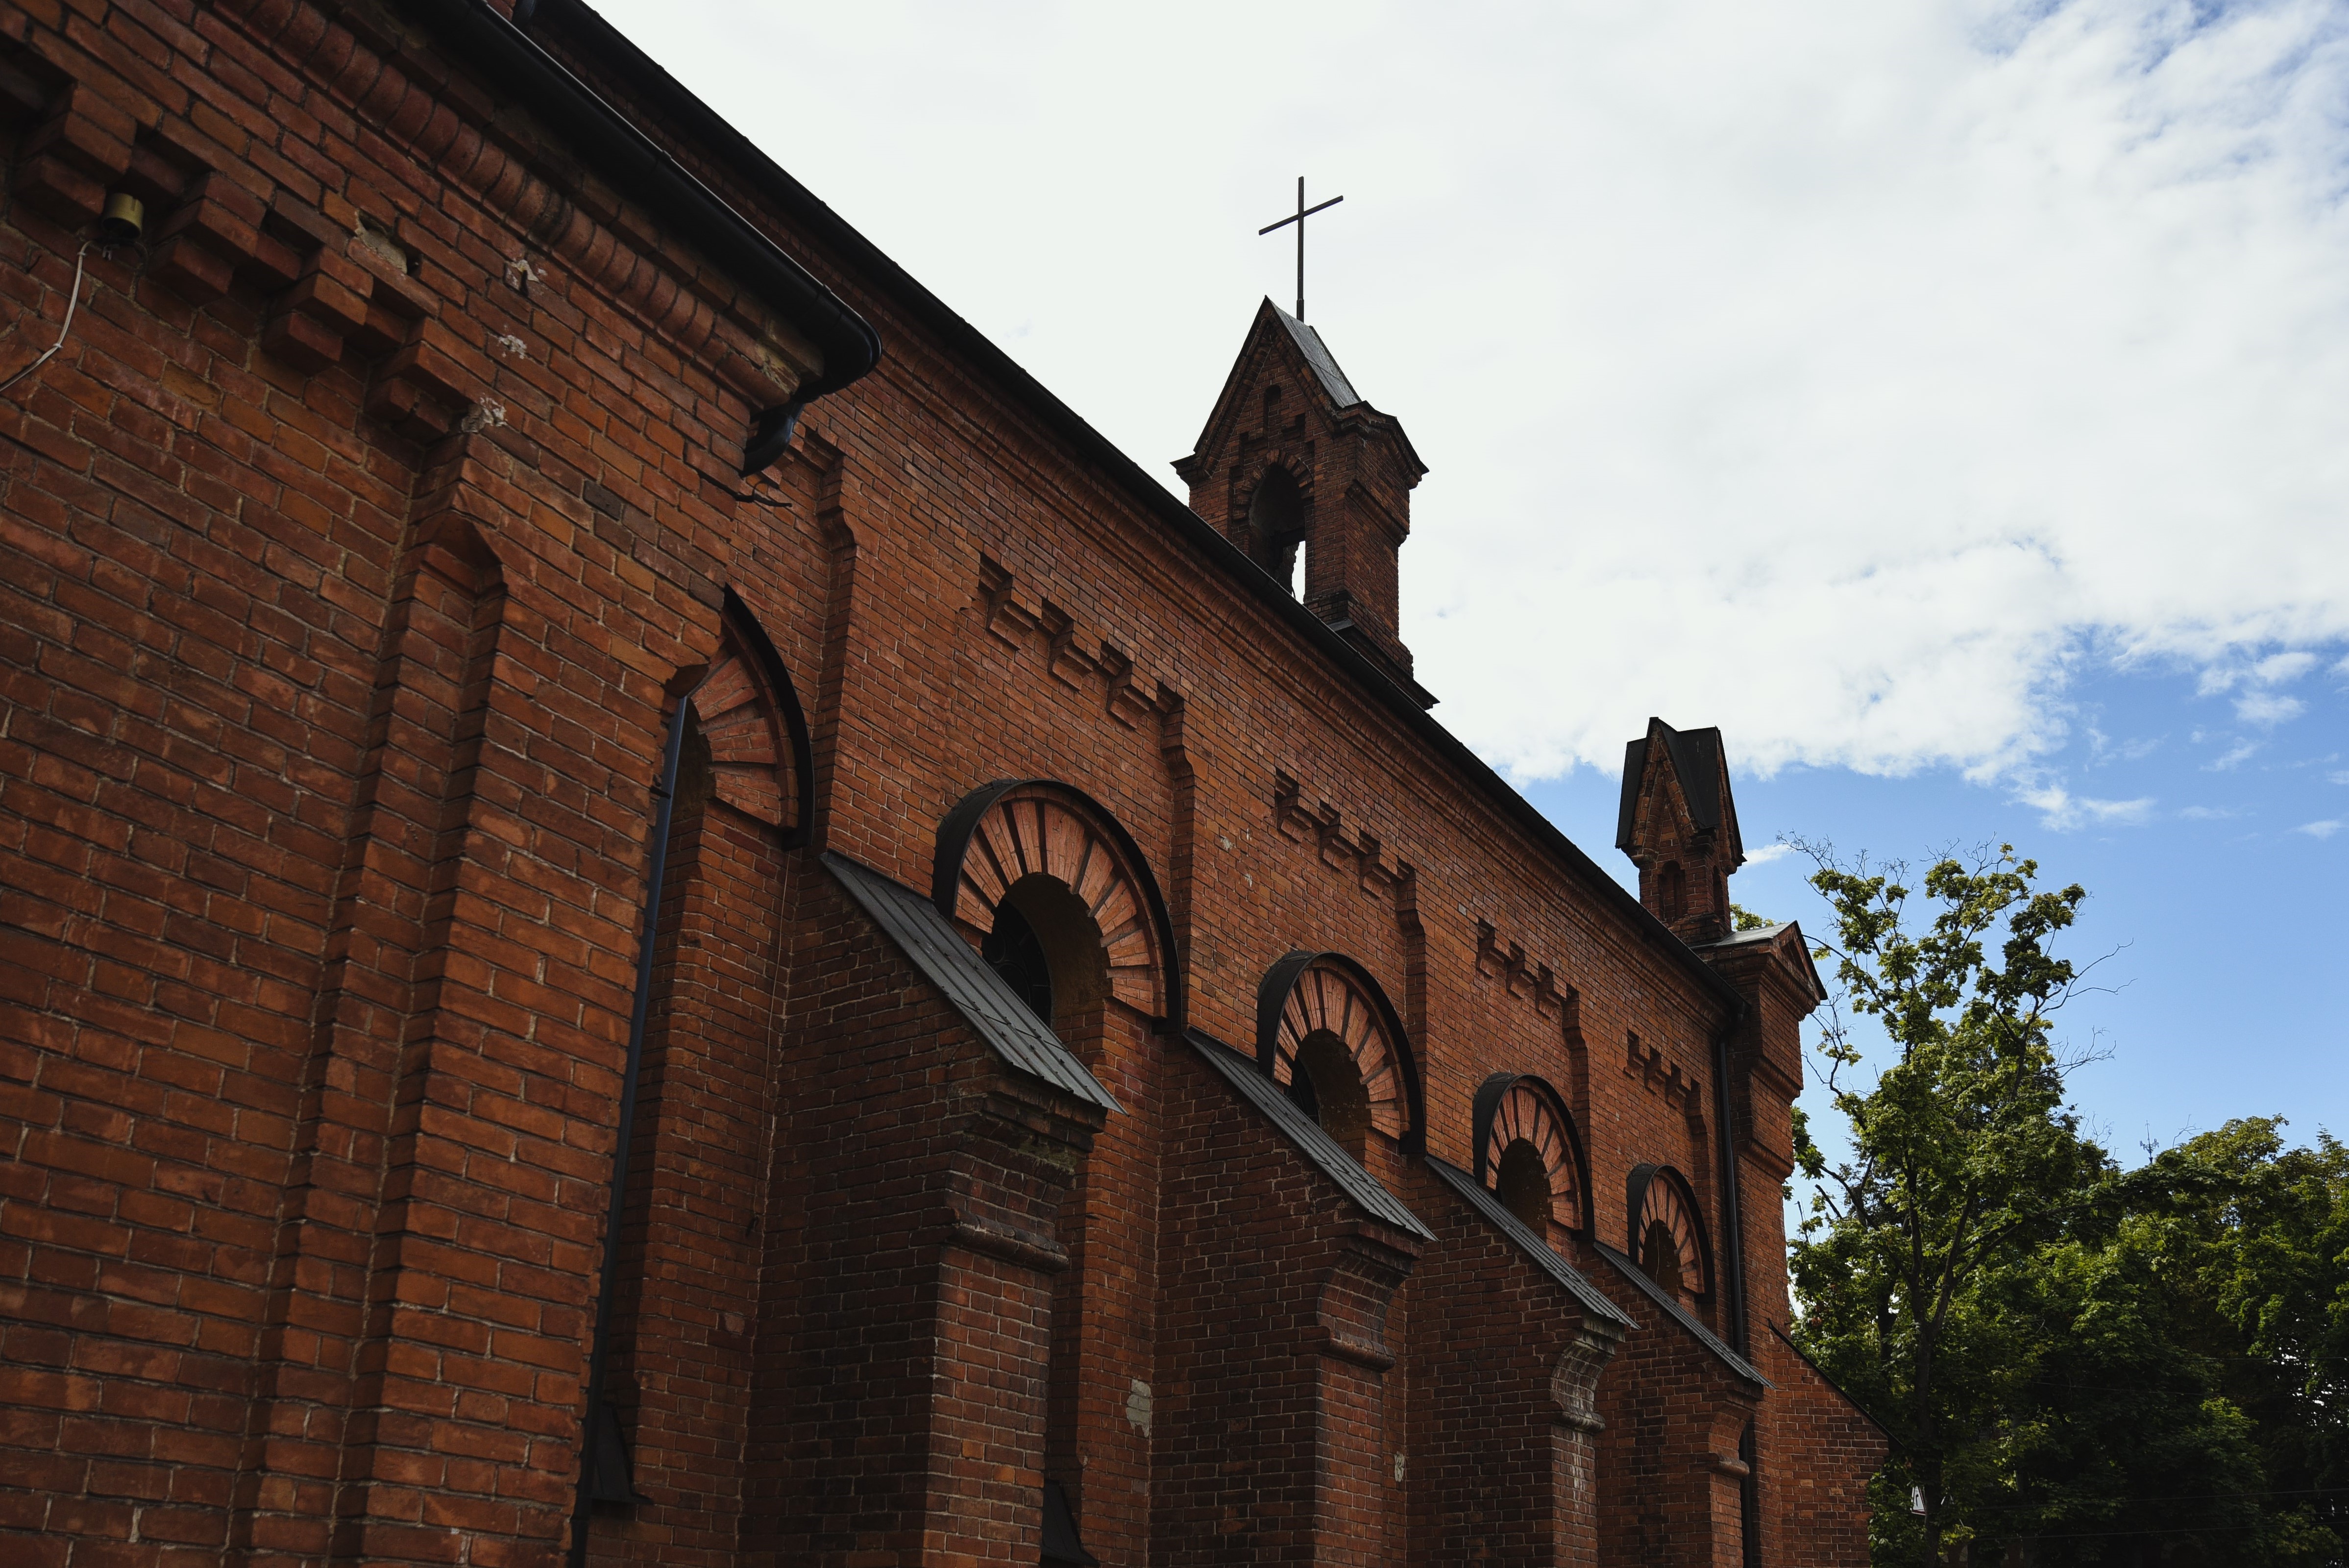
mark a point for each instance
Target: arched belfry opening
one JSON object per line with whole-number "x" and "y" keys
{"x": 1065, "y": 909}
{"x": 1276, "y": 529}
{"x": 1677, "y": 822}
{"x": 1313, "y": 484}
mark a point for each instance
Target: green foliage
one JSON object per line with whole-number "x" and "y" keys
{"x": 1745, "y": 919}
{"x": 1965, "y": 1157}
{"x": 2080, "y": 1364}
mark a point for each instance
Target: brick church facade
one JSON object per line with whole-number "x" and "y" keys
{"x": 655, "y": 913}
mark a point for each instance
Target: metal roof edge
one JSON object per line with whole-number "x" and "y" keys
{"x": 1681, "y": 1315}
{"x": 618, "y": 150}
{"x": 1539, "y": 1253}
{"x": 1366, "y": 1191}
{"x": 978, "y": 995}
{"x": 1820, "y": 1373}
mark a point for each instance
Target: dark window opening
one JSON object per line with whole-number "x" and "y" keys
{"x": 1660, "y": 1258}
{"x": 1277, "y": 519}
{"x": 1672, "y": 890}
{"x": 1301, "y": 1095}
{"x": 1014, "y": 951}
{"x": 1326, "y": 1083}
{"x": 1523, "y": 1184}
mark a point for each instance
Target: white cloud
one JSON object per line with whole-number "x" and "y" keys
{"x": 2279, "y": 669}
{"x": 2102, "y": 749}
{"x": 2341, "y": 777}
{"x": 2236, "y": 756}
{"x": 2061, "y": 811}
{"x": 2210, "y": 813}
{"x": 1767, "y": 853}
{"x": 2268, "y": 708}
{"x": 1848, "y": 375}
{"x": 2325, "y": 829}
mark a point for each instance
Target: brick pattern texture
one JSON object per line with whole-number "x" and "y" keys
{"x": 353, "y": 553}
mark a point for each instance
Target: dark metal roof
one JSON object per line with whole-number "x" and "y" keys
{"x": 1672, "y": 1309}
{"x": 1765, "y": 934}
{"x": 1738, "y": 938}
{"x": 1317, "y": 354}
{"x": 1697, "y": 762}
{"x": 1368, "y": 1193}
{"x": 1544, "y": 1255}
{"x": 972, "y": 987}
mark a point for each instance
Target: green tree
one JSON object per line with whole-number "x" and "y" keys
{"x": 2251, "y": 1251}
{"x": 1964, "y": 1157}
{"x": 2081, "y": 1364}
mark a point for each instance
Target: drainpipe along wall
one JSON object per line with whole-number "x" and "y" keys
{"x": 1732, "y": 1219}
{"x": 600, "y": 1447}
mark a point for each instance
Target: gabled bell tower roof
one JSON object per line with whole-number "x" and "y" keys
{"x": 1293, "y": 466}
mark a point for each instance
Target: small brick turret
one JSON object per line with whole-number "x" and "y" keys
{"x": 1679, "y": 824}
{"x": 1293, "y": 458}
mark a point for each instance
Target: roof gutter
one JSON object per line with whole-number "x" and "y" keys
{"x": 641, "y": 170}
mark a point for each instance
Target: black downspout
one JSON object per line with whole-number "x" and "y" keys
{"x": 1732, "y": 1218}
{"x": 591, "y": 1422}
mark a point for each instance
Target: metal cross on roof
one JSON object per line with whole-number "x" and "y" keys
{"x": 1298, "y": 217}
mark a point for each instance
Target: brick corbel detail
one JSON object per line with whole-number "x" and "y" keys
{"x": 74, "y": 157}
{"x": 1350, "y": 1324}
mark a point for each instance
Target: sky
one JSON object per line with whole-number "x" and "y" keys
{"x": 1945, "y": 399}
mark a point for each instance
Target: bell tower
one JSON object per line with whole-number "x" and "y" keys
{"x": 1677, "y": 823}
{"x": 1312, "y": 483}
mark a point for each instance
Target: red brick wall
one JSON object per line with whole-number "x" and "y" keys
{"x": 1269, "y": 1431}
{"x": 1822, "y": 1452}
{"x": 328, "y": 728}
{"x": 1503, "y": 1453}
{"x": 1668, "y": 1467}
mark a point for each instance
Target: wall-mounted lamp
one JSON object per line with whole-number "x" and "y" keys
{"x": 124, "y": 220}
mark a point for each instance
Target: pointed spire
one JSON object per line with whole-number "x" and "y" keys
{"x": 1297, "y": 469}
{"x": 1677, "y": 822}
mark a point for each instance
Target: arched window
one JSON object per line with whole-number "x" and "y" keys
{"x": 1326, "y": 1032}
{"x": 1668, "y": 1239}
{"x": 1094, "y": 923}
{"x": 1066, "y": 911}
{"x": 739, "y": 797}
{"x": 1528, "y": 1153}
{"x": 1014, "y": 951}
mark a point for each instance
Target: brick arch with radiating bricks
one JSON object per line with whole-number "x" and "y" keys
{"x": 1518, "y": 1106}
{"x": 1659, "y": 1195}
{"x": 751, "y": 717}
{"x": 1016, "y": 828}
{"x": 1307, "y": 993}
